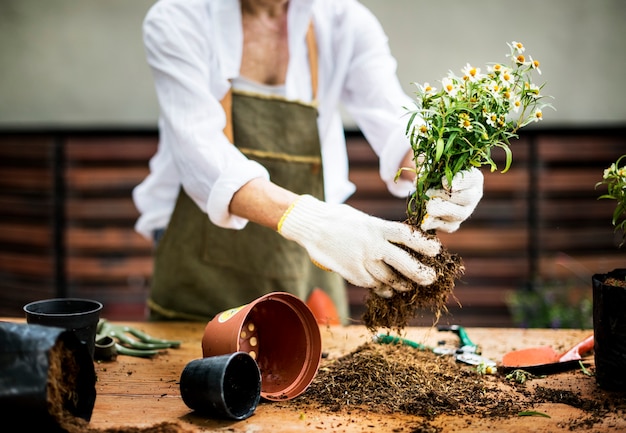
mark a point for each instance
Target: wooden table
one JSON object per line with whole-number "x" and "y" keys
{"x": 141, "y": 392}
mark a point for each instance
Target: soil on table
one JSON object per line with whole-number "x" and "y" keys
{"x": 388, "y": 379}
{"x": 395, "y": 313}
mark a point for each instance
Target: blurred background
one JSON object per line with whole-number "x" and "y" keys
{"x": 78, "y": 125}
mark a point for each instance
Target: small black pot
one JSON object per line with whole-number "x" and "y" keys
{"x": 223, "y": 386}
{"x": 609, "y": 327}
{"x": 27, "y": 363}
{"x": 77, "y": 315}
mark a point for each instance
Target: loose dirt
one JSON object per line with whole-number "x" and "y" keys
{"x": 388, "y": 379}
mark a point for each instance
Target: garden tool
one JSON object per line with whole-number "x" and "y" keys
{"x": 390, "y": 339}
{"x": 467, "y": 351}
{"x": 113, "y": 340}
{"x": 546, "y": 360}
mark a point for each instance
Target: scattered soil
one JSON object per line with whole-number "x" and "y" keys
{"x": 388, "y": 379}
{"x": 395, "y": 313}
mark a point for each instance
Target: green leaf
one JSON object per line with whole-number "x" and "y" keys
{"x": 450, "y": 141}
{"x": 509, "y": 158}
{"x": 410, "y": 123}
{"x": 439, "y": 149}
{"x": 533, "y": 413}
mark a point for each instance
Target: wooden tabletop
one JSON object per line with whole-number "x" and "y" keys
{"x": 140, "y": 392}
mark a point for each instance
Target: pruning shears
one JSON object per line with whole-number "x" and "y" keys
{"x": 466, "y": 352}
{"x": 113, "y": 340}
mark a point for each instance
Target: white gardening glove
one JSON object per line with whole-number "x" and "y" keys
{"x": 447, "y": 208}
{"x": 364, "y": 250}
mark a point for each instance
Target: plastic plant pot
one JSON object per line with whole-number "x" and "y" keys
{"x": 280, "y": 332}
{"x": 77, "y": 315}
{"x": 47, "y": 378}
{"x": 224, "y": 386}
{"x": 609, "y": 328}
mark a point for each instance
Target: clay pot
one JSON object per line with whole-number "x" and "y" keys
{"x": 279, "y": 331}
{"x": 609, "y": 327}
{"x": 224, "y": 386}
{"x": 77, "y": 315}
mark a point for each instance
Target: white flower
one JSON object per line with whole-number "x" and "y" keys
{"x": 471, "y": 73}
{"x": 495, "y": 69}
{"x": 423, "y": 130}
{"x": 532, "y": 90}
{"x": 537, "y": 115}
{"x": 496, "y": 90}
{"x": 506, "y": 77}
{"x": 516, "y": 103}
{"x": 465, "y": 121}
{"x": 426, "y": 88}
{"x": 534, "y": 64}
{"x": 491, "y": 118}
{"x": 450, "y": 86}
{"x": 518, "y": 47}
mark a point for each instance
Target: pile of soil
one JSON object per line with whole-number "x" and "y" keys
{"x": 388, "y": 379}
{"x": 395, "y": 313}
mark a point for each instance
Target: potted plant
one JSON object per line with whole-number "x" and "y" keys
{"x": 452, "y": 130}
{"x": 609, "y": 293}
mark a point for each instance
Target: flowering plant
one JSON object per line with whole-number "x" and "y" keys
{"x": 456, "y": 127}
{"x": 615, "y": 179}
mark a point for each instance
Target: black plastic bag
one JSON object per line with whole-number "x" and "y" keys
{"x": 46, "y": 376}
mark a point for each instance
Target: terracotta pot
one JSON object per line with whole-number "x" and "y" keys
{"x": 609, "y": 326}
{"x": 279, "y": 331}
{"x": 79, "y": 316}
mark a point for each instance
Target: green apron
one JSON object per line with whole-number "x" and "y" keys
{"x": 201, "y": 269}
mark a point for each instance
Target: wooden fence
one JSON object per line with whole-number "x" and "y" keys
{"x": 66, "y": 225}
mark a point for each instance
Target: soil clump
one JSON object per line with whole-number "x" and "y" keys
{"x": 396, "y": 312}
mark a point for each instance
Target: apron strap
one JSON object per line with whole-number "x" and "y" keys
{"x": 312, "y": 47}
{"x": 227, "y": 100}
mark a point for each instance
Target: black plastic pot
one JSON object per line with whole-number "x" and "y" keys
{"x": 223, "y": 386}
{"x": 77, "y": 315}
{"x": 46, "y": 374}
{"x": 609, "y": 327}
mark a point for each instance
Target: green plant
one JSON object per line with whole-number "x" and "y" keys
{"x": 456, "y": 127}
{"x": 552, "y": 304}
{"x": 615, "y": 180}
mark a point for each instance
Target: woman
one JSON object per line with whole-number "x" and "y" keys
{"x": 251, "y": 168}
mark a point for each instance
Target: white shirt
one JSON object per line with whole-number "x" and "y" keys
{"x": 194, "y": 48}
